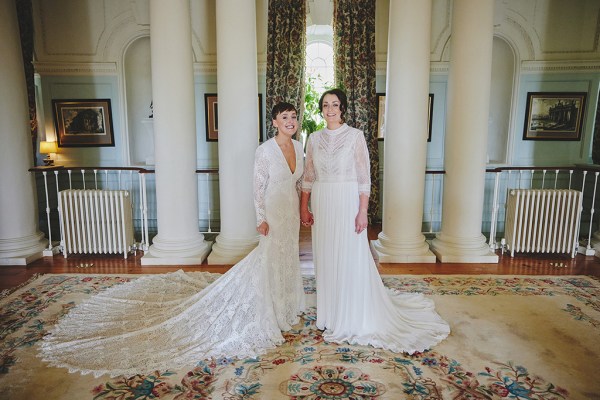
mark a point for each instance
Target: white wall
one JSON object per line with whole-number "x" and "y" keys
{"x": 100, "y": 49}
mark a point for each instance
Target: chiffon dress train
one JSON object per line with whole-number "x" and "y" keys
{"x": 353, "y": 305}
{"x": 173, "y": 321}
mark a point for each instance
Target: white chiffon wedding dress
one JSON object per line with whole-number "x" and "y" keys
{"x": 175, "y": 320}
{"x": 353, "y": 305}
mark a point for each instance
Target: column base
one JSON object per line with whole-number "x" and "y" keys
{"x": 388, "y": 251}
{"x": 489, "y": 258}
{"x": 192, "y": 251}
{"x": 23, "y": 260}
{"x": 594, "y": 246}
{"x": 23, "y": 250}
{"x": 587, "y": 251}
{"x": 52, "y": 250}
{"x": 228, "y": 251}
{"x": 468, "y": 251}
{"x": 150, "y": 260}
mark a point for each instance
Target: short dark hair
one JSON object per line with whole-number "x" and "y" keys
{"x": 281, "y": 107}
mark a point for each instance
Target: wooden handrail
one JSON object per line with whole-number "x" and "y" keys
{"x": 63, "y": 168}
{"x": 548, "y": 168}
{"x": 138, "y": 169}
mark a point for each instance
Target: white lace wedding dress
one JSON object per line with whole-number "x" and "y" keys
{"x": 353, "y": 305}
{"x": 175, "y": 320}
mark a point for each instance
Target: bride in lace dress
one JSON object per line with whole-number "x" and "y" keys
{"x": 353, "y": 305}
{"x": 175, "y": 320}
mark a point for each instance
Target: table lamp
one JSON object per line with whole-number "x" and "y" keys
{"x": 48, "y": 148}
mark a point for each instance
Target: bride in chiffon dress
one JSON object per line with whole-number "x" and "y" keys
{"x": 175, "y": 320}
{"x": 353, "y": 305}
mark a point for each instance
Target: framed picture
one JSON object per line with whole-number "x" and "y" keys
{"x": 211, "y": 108}
{"x": 554, "y": 116}
{"x": 381, "y": 116}
{"x": 83, "y": 123}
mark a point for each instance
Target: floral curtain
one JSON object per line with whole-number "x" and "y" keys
{"x": 25, "y": 17}
{"x": 354, "y": 54}
{"x": 286, "y": 56}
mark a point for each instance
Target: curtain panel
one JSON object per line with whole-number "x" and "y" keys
{"x": 25, "y": 18}
{"x": 286, "y": 56}
{"x": 354, "y": 59}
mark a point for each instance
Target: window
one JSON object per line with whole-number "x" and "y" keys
{"x": 319, "y": 56}
{"x": 319, "y": 75}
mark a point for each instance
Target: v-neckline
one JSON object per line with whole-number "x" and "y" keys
{"x": 285, "y": 159}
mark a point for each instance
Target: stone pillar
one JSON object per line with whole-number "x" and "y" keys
{"x": 178, "y": 240}
{"x": 20, "y": 239}
{"x": 237, "y": 88}
{"x": 469, "y": 84}
{"x": 405, "y": 143}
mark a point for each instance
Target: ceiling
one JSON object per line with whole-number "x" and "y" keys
{"x": 320, "y": 12}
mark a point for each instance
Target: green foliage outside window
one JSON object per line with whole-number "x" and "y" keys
{"x": 311, "y": 119}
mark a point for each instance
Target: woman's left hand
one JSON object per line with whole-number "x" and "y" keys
{"x": 361, "y": 221}
{"x": 263, "y": 228}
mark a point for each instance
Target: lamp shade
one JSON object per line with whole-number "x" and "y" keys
{"x": 48, "y": 147}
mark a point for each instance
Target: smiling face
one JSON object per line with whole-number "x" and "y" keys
{"x": 332, "y": 111}
{"x": 286, "y": 123}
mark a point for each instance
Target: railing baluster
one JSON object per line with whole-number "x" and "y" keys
{"x": 48, "y": 251}
{"x": 587, "y": 250}
{"x": 145, "y": 213}
{"x": 432, "y": 203}
{"x": 592, "y": 209}
{"x": 531, "y": 182}
{"x": 208, "y": 201}
{"x": 570, "y": 177}
{"x": 495, "y": 209}
{"x": 520, "y": 177}
{"x": 59, "y": 209}
{"x": 543, "y": 178}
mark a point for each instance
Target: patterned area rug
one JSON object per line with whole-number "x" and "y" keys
{"x": 525, "y": 337}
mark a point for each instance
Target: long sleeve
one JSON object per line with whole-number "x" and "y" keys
{"x": 309, "y": 167}
{"x": 261, "y": 181}
{"x": 363, "y": 165}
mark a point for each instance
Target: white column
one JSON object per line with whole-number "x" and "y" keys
{"x": 178, "y": 240}
{"x": 237, "y": 84}
{"x": 405, "y": 143}
{"x": 469, "y": 83}
{"x": 20, "y": 240}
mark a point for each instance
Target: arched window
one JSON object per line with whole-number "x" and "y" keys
{"x": 319, "y": 74}
{"x": 319, "y": 56}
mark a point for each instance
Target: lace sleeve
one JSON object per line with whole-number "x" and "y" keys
{"x": 261, "y": 180}
{"x": 309, "y": 167}
{"x": 363, "y": 166}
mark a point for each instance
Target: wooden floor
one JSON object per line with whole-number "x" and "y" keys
{"x": 532, "y": 264}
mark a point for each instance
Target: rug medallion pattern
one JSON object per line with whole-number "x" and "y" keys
{"x": 305, "y": 367}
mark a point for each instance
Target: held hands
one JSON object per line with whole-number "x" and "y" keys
{"x": 361, "y": 221}
{"x": 306, "y": 217}
{"x": 263, "y": 228}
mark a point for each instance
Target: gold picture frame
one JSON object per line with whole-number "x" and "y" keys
{"x": 554, "y": 115}
{"x": 83, "y": 122}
